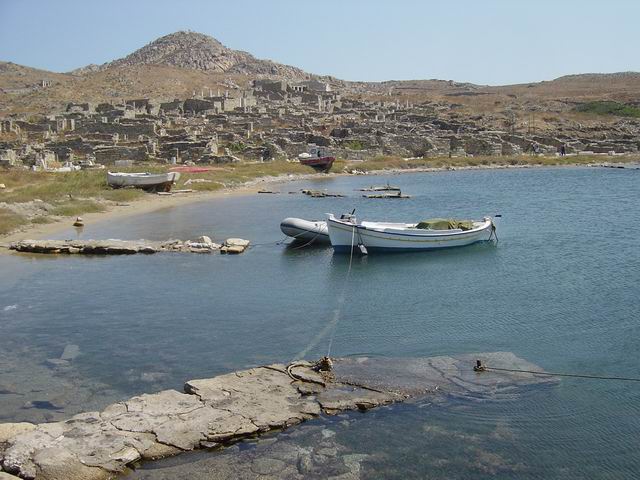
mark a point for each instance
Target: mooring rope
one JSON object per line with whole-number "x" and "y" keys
{"x": 331, "y": 326}
{"x": 308, "y": 243}
{"x": 284, "y": 239}
{"x": 574, "y": 375}
{"x": 342, "y": 295}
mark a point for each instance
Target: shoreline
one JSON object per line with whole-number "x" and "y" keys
{"x": 153, "y": 202}
{"x": 149, "y": 203}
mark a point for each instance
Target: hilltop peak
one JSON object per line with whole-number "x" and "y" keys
{"x": 197, "y": 51}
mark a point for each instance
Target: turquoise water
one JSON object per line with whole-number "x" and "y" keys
{"x": 561, "y": 289}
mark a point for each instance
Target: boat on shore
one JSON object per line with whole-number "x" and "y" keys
{"x": 155, "y": 182}
{"x": 380, "y": 188}
{"x": 305, "y": 230}
{"x": 386, "y": 194}
{"x": 346, "y": 233}
{"x": 317, "y": 158}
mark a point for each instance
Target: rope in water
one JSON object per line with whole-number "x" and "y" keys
{"x": 574, "y": 375}
{"x": 308, "y": 243}
{"x": 331, "y": 327}
{"x": 284, "y": 239}
{"x": 342, "y": 295}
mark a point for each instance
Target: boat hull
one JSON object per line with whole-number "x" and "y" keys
{"x": 344, "y": 236}
{"x": 156, "y": 182}
{"x": 321, "y": 164}
{"x": 305, "y": 230}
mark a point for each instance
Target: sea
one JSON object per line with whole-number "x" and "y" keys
{"x": 560, "y": 288}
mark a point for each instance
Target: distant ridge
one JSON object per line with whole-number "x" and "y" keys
{"x": 601, "y": 76}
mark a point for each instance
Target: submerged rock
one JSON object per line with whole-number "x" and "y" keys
{"x": 70, "y": 352}
{"x": 230, "y": 407}
{"x": 57, "y": 363}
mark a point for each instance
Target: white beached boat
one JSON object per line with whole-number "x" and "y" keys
{"x": 157, "y": 182}
{"x": 380, "y": 188}
{"x": 305, "y": 230}
{"x": 346, "y": 233}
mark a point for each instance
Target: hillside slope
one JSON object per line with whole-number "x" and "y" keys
{"x": 176, "y": 65}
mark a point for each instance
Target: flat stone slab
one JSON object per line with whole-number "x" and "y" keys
{"x": 234, "y": 245}
{"x": 224, "y": 409}
{"x": 127, "y": 247}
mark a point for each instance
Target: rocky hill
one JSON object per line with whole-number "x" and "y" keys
{"x": 176, "y": 65}
{"x": 196, "y": 51}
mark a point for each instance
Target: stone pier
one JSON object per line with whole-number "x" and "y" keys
{"x": 216, "y": 412}
{"x": 129, "y": 247}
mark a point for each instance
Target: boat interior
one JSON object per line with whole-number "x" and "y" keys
{"x": 403, "y": 227}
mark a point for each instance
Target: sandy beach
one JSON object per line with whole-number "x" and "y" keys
{"x": 149, "y": 203}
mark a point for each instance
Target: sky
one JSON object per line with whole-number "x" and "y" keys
{"x": 489, "y": 42}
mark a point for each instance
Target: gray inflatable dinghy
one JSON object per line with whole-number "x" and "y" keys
{"x": 305, "y": 230}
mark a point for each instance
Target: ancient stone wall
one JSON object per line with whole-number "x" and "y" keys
{"x": 108, "y": 154}
{"x": 131, "y": 131}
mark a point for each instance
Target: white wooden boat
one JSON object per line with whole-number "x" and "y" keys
{"x": 157, "y": 182}
{"x": 346, "y": 233}
{"x": 305, "y": 230}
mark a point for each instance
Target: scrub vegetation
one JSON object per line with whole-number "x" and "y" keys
{"x": 609, "y": 108}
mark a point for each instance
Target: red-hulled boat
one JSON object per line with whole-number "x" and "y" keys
{"x": 317, "y": 158}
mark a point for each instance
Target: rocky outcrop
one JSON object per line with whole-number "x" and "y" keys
{"x": 216, "y": 411}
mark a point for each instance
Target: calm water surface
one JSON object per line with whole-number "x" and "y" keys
{"x": 561, "y": 289}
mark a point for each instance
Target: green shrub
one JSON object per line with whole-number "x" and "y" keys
{"x": 609, "y": 108}
{"x": 354, "y": 145}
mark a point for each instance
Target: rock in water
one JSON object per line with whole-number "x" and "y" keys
{"x": 223, "y": 409}
{"x": 70, "y": 352}
{"x": 234, "y": 245}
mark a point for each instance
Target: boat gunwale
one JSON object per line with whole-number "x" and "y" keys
{"x": 349, "y": 226}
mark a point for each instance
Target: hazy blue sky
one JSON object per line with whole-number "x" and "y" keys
{"x": 481, "y": 41}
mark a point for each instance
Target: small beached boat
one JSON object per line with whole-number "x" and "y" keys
{"x": 318, "y": 158}
{"x": 305, "y": 230}
{"x": 386, "y": 194}
{"x": 156, "y": 182}
{"x": 346, "y": 233}
{"x": 380, "y": 188}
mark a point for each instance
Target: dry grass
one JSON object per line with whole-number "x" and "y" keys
{"x": 72, "y": 208}
{"x": 41, "y": 220}
{"x": 392, "y": 163}
{"x": 237, "y": 174}
{"x": 9, "y": 221}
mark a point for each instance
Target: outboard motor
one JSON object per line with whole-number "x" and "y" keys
{"x": 349, "y": 217}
